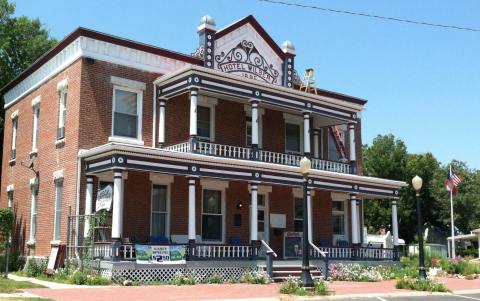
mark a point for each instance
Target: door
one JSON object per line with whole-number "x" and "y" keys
{"x": 262, "y": 216}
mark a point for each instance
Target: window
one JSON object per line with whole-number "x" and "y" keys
{"x": 203, "y": 122}
{"x": 249, "y": 132}
{"x": 36, "y": 118}
{"x": 58, "y": 209}
{"x": 212, "y": 215}
{"x": 10, "y": 199}
{"x": 33, "y": 212}
{"x": 338, "y": 217}
{"x": 13, "y": 152}
{"x": 333, "y": 152}
{"x": 298, "y": 217}
{"x": 159, "y": 211}
{"x": 62, "y": 114}
{"x": 127, "y": 113}
{"x": 292, "y": 138}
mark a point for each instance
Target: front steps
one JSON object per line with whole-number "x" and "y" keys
{"x": 283, "y": 272}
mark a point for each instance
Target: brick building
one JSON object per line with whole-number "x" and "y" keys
{"x": 182, "y": 148}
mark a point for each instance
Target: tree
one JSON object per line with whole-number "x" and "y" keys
{"x": 22, "y": 41}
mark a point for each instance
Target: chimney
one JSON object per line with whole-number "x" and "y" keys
{"x": 206, "y": 33}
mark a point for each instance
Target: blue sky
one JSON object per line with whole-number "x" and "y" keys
{"x": 422, "y": 83}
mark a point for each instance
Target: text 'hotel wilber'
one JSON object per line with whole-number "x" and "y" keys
{"x": 140, "y": 156}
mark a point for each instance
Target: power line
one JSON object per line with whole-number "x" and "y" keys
{"x": 370, "y": 16}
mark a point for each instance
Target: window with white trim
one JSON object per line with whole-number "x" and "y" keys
{"x": 127, "y": 113}
{"x": 13, "y": 151}
{"x": 159, "y": 212}
{"x": 298, "y": 215}
{"x": 212, "y": 215}
{"x": 338, "y": 217}
{"x": 292, "y": 138}
{"x": 36, "y": 120}
{"x": 58, "y": 209}
{"x": 204, "y": 122}
{"x": 33, "y": 213}
{"x": 62, "y": 114}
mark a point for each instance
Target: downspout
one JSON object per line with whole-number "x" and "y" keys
{"x": 77, "y": 205}
{"x": 154, "y": 115}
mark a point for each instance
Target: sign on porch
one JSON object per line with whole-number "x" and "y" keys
{"x": 104, "y": 198}
{"x": 160, "y": 254}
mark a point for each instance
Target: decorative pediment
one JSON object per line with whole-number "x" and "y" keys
{"x": 245, "y": 49}
{"x": 244, "y": 59}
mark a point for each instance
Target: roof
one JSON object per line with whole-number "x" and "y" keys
{"x": 85, "y": 32}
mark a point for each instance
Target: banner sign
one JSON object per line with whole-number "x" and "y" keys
{"x": 104, "y": 198}
{"x": 160, "y": 254}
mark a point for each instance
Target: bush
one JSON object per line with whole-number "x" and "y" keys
{"x": 36, "y": 267}
{"x": 215, "y": 278}
{"x": 15, "y": 262}
{"x": 356, "y": 272}
{"x": 181, "y": 279}
{"x": 82, "y": 278}
{"x": 255, "y": 278}
{"x": 293, "y": 286}
{"x": 420, "y": 285}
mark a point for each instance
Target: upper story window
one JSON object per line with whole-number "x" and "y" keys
{"x": 62, "y": 114}
{"x": 57, "y": 222}
{"x": 13, "y": 151}
{"x": 333, "y": 151}
{"x": 249, "y": 131}
{"x": 127, "y": 109}
{"x": 292, "y": 138}
{"x": 203, "y": 122}
{"x": 36, "y": 121}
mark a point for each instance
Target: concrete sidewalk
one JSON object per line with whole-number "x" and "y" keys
{"x": 251, "y": 292}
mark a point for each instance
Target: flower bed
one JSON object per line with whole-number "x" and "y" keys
{"x": 358, "y": 272}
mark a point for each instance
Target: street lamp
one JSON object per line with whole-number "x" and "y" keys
{"x": 417, "y": 185}
{"x": 306, "y": 277}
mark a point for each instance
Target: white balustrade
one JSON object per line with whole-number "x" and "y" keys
{"x": 221, "y": 150}
{"x": 181, "y": 147}
{"x": 222, "y": 251}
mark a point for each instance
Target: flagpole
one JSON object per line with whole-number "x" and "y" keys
{"x": 451, "y": 218}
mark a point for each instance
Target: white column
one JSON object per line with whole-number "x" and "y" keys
{"x": 191, "y": 210}
{"x": 193, "y": 113}
{"x": 316, "y": 146}
{"x": 254, "y": 104}
{"x": 353, "y": 203}
{"x": 88, "y": 206}
{"x": 306, "y": 132}
{"x": 394, "y": 223}
{"x": 353, "y": 154}
{"x": 309, "y": 215}
{"x": 254, "y": 213}
{"x": 161, "y": 122}
{"x": 117, "y": 212}
{"x": 359, "y": 228}
{"x": 478, "y": 235}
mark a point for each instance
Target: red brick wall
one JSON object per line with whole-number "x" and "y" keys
{"x": 177, "y": 119}
{"x": 273, "y": 131}
{"x": 322, "y": 216}
{"x": 50, "y": 158}
{"x": 237, "y": 192}
{"x": 230, "y": 123}
{"x": 137, "y": 205}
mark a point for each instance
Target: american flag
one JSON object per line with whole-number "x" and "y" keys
{"x": 454, "y": 178}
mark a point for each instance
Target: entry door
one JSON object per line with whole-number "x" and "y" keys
{"x": 262, "y": 218}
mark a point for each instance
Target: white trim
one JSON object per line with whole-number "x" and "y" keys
{"x": 162, "y": 179}
{"x": 36, "y": 101}
{"x": 262, "y": 189}
{"x": 58, "y": 213}
{"x": 248, "y": 113}
{"x": 344, "y": 198}
{"x": 36, "y": 124}
{"x": 295, "y": 120}
{"x": 58, "y": 175}
{"x": 138, "y": 139}
{"x": 96, "y": 49}
{"x": 208, "y": 184}
{"x": 167, "y": 184}
{"x": 62, "y": 85}
{"x": 128, "y": 83}
{"x": 10, "y": 188}
{"x": 33, "y": 181}
{"x": 126, "y": 140}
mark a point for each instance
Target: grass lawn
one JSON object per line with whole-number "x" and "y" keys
{"x": 12, "y": 286}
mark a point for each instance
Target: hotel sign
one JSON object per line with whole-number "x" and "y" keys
{"x": 245, "y": 60}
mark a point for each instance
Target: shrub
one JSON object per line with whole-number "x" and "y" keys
{"x": 36, "y": 267}
{"x": 15, "y": 262}
{"x": 181, "y": 279}
{"x": 355, "y": 272}
{"x": 293, "y": 286}
{"x": 215, "y": 278}
{"x": 255, "y": 278}
{"x": 420, "y": 285}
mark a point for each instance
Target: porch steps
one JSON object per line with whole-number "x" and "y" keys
{"x": 283, "y": 272}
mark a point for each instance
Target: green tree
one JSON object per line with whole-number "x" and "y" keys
{"x": 22, "y": 41}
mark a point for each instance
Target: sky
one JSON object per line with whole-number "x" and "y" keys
{"x": 422, "y": 83}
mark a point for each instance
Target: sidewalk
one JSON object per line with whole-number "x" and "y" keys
{"x": 233, "y": 291}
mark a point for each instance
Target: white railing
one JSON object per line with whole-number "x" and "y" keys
{"x": 339, "y": 253}
{"x": 268, "y": 249}
{"x": 223, "y": 251}
{"x": 330, "y": 166}
{"x": 376, "y": 254}
{"x": 182, "y": 147}
{"x": 245, "y": 153}
{"x": 316, "y": 252}
{"x": 221, "y": 150}
{"x": 104, "y": 250}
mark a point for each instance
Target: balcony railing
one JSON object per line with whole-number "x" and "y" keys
{"x": 245, "y": 153}
{"x": 347, "y": 253}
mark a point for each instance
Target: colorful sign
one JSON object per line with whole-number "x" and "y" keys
{"x": 160, "y": 254}
{"x": 104, "y": 198}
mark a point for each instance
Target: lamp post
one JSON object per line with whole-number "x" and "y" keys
{"x": 417, "y": 185}
{"x": 306, "y": 276}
